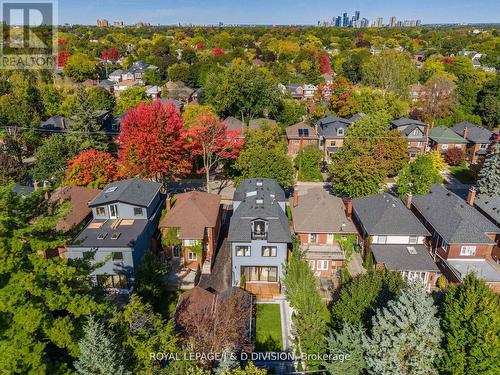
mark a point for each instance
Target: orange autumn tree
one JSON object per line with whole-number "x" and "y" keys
{"x": 153, "y": 143}
{"x": 91, "y": 168}
{"x": 211, "y": 140}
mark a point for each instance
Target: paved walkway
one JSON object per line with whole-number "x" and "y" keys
{"x": 355, "y": 266}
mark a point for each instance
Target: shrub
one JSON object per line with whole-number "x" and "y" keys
{"x": 454, "y": 156}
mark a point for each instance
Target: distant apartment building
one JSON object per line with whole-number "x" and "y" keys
{"x": 118, "y": 24}
{"x": 102, "y": 23}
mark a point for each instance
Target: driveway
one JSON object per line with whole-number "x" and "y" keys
{"x": 355, "y": 266}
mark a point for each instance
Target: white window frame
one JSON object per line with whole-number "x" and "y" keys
{"x": 322, "y": 265}
{"x": 190, "y": 242}
{"x": 113, "y": 208}
{"x": 192, "y": 255}
{"x": 100, "y": 208}
{"x": 468, "y": 250}
{"x": 312, "y": 264}
{"x": 244, "y": 251}
{"x": 444, "y": 146}
{"x": 329, "y": 238}
{"x": 316, "y": 236}
{"x": 273, "y": 251}
{"x": 340, "y": 131}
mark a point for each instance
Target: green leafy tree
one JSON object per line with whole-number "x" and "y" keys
{"x": 352, "y": 65}
{"x": 369, "y": 127}
{"x": 142, "y": 331}
{"x": 151, "y": 280}
{"x": 308, "y": 163}
{"x": 43, "y": 302}
{"x": 391, "y": 71}
{"x": 347, "y": 341}
{"x": 359, "y": 299}
{"x": 291, "y": 112}
{"x": 372, "y": 101}
{"x": 302, "y": 292}
{"x": 488, "y": 106}
{"x": 86, "y": 124}
{"x": 489, "y": 176}
{"x": 180, "y": 72}
{"x": 418, "y": 177}
{"x": 471, "y": 326}
{"x": 408, "y": 331}
{"x": 52, "y": 157}
{"x": 100, "y": 99}
{"x": 227, "y": 363}
{"x": 80, "y": 67}
{"x": 130, "y": 98}
{"x": 355, "y": 172}
{"x": 99, "y": 354}
{"x": 264, "y": 154}
{"x": 152, "y": 77}
{"x": 52, "y": 98}
{"x": 242, "y": 91}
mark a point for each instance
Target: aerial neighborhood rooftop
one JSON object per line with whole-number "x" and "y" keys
{"x": 223, "y": 192}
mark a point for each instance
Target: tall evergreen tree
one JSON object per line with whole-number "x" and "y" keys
{"x": 99, "y": 355}
{"x": 405, "y": 337}
{"x": 227, "y": 363}
{"x": 348, "y": 340}
{"x": 471, "y": 325}
{"x": 489, "y": 177}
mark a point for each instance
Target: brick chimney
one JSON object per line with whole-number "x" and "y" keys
{"x": 168, "y": 202}
{"x": 409, "y": 198}
{"x": 466, "y": 132}
{"x": 471, "y": 195}
{"x": 295, "y": 198}
{"x": 348, "y": 206}
{"x": 63, "y": 123}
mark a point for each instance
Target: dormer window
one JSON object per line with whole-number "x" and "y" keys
{"x": 340, "y": 131}
{"x": 259, "y": 229}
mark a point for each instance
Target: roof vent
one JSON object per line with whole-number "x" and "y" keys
{"x": 412, "y": 250}
{"x": 259, "y": 201}
{"x": 259, "y": 183}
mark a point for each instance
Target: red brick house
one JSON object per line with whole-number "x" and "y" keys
{"x": 395, "y": 238}
{"x": 462, "y": 238}
{"x": 299, "y": 136}
{"x": 320, "y": 220}
{"x": 442, "y": 139}
{"x": 195, "y": 220}
{"x": 478, "y": 140}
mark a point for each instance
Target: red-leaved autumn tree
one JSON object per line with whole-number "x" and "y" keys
{"x": 91, "y": 168}
{"x": 325, "y": 66}
{"x": 211, "y": 139}
{"x": 111, "y": 54}
{"x": 62, "y": 58}
{"x": 153, "y": 143}
{"x": 218, "y": 51}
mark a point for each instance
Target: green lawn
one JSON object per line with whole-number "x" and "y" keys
{"x": 464, "y": 174}
{"x": 268, "y": 328}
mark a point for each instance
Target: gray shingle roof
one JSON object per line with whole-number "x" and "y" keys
{"x": 385, "y": 214}
{"x": 266, "y": 185}
{"x": 475, "y": 133}
{"x": 318, "y": 211}
{"x": 489, "y": 205}
{"x": 406, "y": 121}
{"x": 132, "y": 191}
{"x": 397, "y": 257}
{"x": 328, "y": 126}
{"x": 269, "y": 210}
{"x": 452, "y": 218}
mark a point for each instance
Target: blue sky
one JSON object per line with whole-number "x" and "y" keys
{"x": 273, "y": 11}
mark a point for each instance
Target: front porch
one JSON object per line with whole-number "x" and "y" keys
{"x": 264, "y": 291}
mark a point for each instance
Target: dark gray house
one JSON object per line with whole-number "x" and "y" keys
{"x": 259, "y": 234}
{"x": 395, "y": 237}
{"x": 331, "y": 131}
{"x": 125, "y": 216}
{"x": 415, "y": 132}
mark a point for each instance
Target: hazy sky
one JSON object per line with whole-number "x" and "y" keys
{"x": 274, "y": 11}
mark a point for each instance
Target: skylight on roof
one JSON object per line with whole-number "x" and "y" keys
{"x": 412, "y": 250}
{"x": 251, "y": 193}
{"x": 111, "y": 189}
{"x": 259, "y": 201}
{"x": 102, "y": 235}
{"x": 115, "y": 235}
{"x": 259, "y": 183}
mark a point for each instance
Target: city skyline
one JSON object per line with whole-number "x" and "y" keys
{"x": 201, "y": 12}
